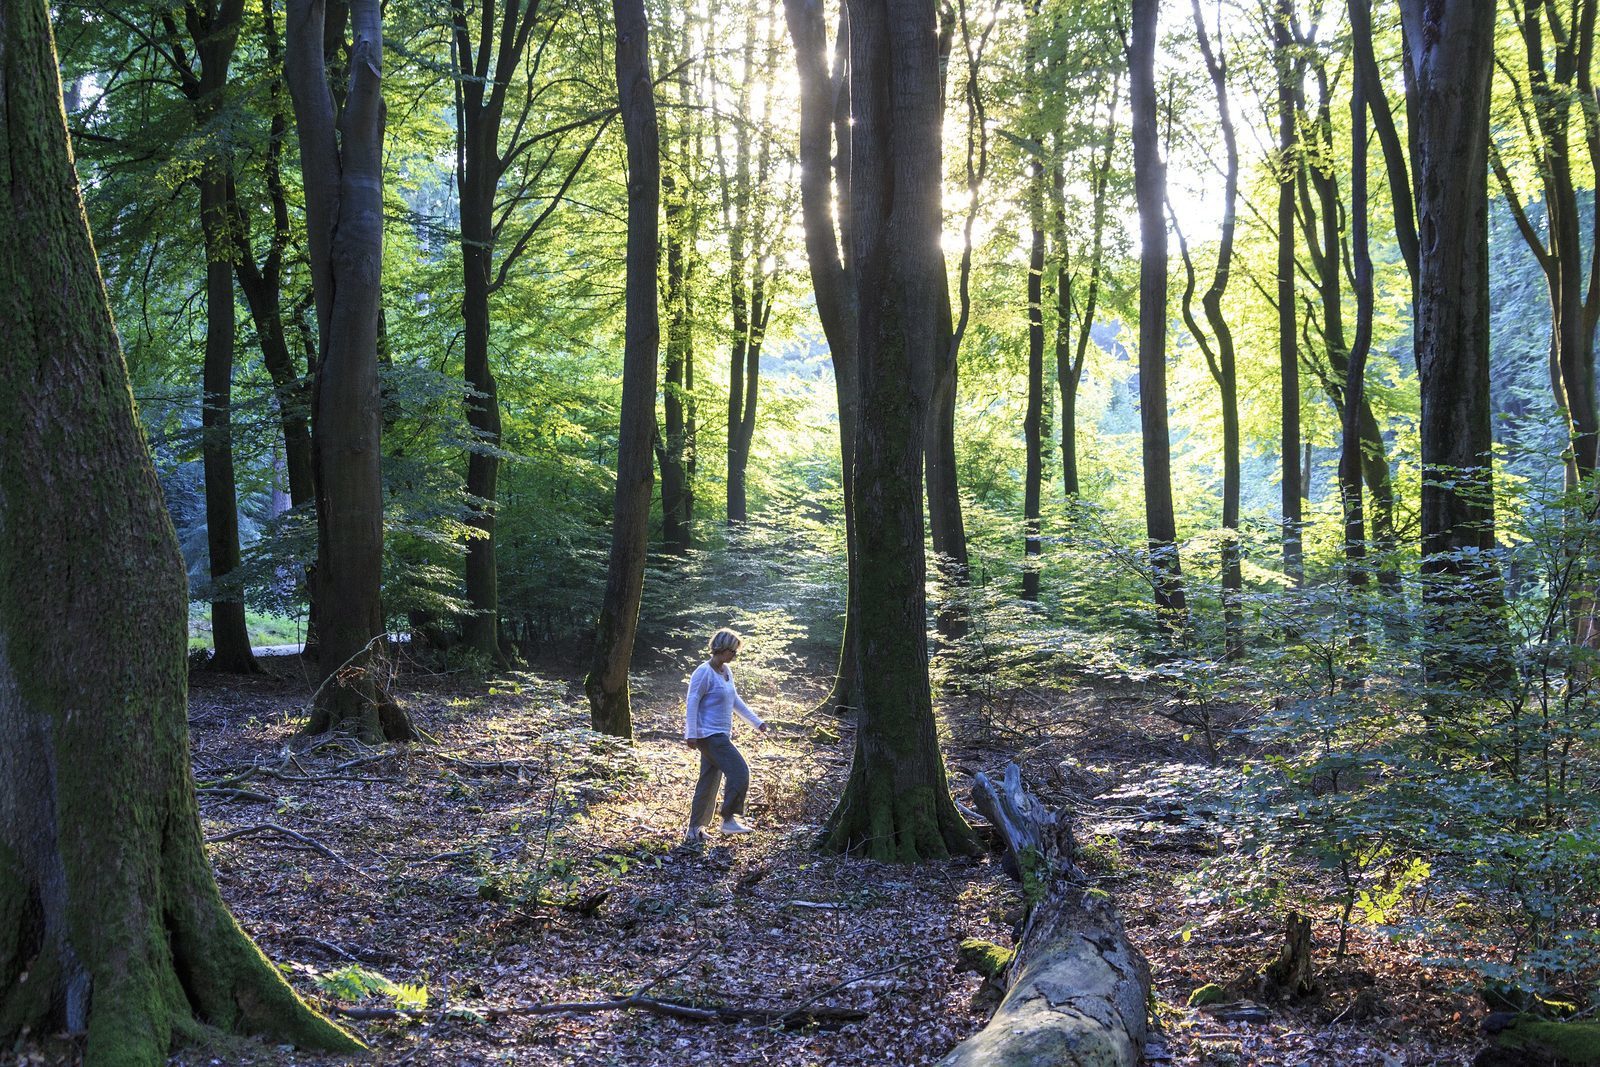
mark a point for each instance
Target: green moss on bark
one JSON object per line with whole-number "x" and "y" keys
{"x": 985, "y": 957}
{"x": 1565, "y": 1044}
{"x": 105, "y": 892}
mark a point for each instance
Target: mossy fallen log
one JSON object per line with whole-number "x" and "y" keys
{"x": 1534, "y": 1042}
{"x": 1078, "y": 991}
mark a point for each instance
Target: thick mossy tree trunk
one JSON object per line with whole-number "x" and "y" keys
{"x": 110, "y": 921}
{"x": 896, "y": 804}
{"x": 343, "y": 170}
{"x": 607, "y": 683}
{"x": 1451, "y": 55}
{"x": 824, "y": 183}
{"x": 1150, "y": 187}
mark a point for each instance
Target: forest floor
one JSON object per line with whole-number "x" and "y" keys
{"x": 519, "y": 862}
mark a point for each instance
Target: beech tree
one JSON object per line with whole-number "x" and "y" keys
{"x": 896, "y": 803}
{"x": 1220, "y": 358}
{"x": 1283, "y": 36}
{"x": 489, "y": 47}
{"x": 110, "y": 920}
{"x": 607, "y": 682}
{"x": 1150, "y": 188}
{"x": 342, "y": 164}
{"x": 1451, "y": 51}
{"x": 830, "y": 254}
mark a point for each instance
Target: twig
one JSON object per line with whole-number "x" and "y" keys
{"x": 273, "y": 828}
{"x": 805, "y": 1004}
{"x": 226, "y": 793}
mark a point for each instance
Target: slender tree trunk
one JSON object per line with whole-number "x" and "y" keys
{"x": 229, "y": 637}
{"x": 947, "y": 529}
{"x": 205, "y": 82}
{"x": 824, "y": 182}
{"x": 896, "y": 804}
{"x": 675, "y": 528}
{"x": 1150, "y": 183}
{"x": 344, "y": 242}
{"x": 1355, "y": 533}
{"x": 1451, "y": 54}
{"x": 607, "y": 683}
{"x": 1283, "y": 33}
{"x": 110, "y": 920}
{"x": 1221, "y": 362}
{"x": 1367, "y": 447}
{"x": 1069, "y": 363}
{"x": 1033, "y": 417}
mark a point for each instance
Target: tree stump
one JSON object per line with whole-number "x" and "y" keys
{"x": 1077, "y": 990}
{"x": 1290, "y": 974}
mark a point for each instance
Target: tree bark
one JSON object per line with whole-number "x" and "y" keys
{"x": 824, "y": 182}
{"x": 1283, "y": 34}
{"x": 1451, "y": 53}
{"x": 750, "y": 295}
{"x": 1070, "y": 360}
{"x": 230, "y": 641}
{"x": 1220, "y": 361}
{"x": 1033, "y": 415}
{"x": 343, "y": 173}
{"x": 1150, "y": 184}
{"x": 214, "y": 34}
{"x": 1327, "y": 255}
{"x": 1355, "y": 398}
{"x": 110, "y": 920}
{"x": 896, "y": 804}
{"x": 1078, "y": 991}
{"x": 607, "y": 683}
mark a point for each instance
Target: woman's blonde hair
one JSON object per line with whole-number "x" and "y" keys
{"x": 723, "y": 640}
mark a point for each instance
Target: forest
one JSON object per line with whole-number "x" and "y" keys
{"x": 1138, "y": 459}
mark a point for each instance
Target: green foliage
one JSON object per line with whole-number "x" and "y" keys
{"x": 356, "y": 983}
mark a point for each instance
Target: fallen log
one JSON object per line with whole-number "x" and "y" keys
{"x": 1077, "y": 991}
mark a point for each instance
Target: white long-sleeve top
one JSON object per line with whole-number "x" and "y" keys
{"x": 711, "y": 702}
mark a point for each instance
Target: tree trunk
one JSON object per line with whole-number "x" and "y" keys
{"x": 607, "y": 683}
{"x": 1355, "y": 395}
{"x": 1078, "y": 991}
{"x": 1150, "y": 184}
{"x": 675, "y": 527}
{"x": 206, "y": 89}
{"x": 946, "y": 525}
{"x": 1451, "y": 54}
{"x": 344, "y": 242}
{"x": 1369, "y": 453}
{"x": 824, "y": 182}
{"x": 896, "y": 804}
{"x": 1283, "y": 33}
{"x": 1069, "y": 362}
{"x": 230, "y": 640}
{"x": 110, "y": 921}
{"x": 1221, "y": 361}
{"x": 1033, "y": 416}
{"x": 480, "y": 627}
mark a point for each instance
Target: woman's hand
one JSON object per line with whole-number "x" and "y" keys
{"x": 691, "y": 742}
{"x": 763, "y": 728}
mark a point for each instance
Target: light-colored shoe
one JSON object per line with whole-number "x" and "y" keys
{"x": 732, "y": 825}
{"x": 695, "y": 836}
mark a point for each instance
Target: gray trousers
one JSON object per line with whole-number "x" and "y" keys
{"x": 719, "y": 759}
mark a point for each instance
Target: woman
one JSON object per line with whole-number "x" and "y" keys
{"x": 712, "y": 700}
